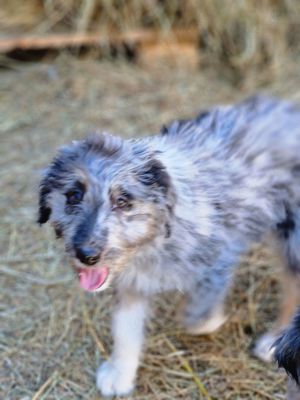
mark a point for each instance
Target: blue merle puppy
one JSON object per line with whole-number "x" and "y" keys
{"x": 175, "y": 211}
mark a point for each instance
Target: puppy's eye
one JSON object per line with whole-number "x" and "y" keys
{"x": 74, "y": 196}
{"x": 122, "y": 202}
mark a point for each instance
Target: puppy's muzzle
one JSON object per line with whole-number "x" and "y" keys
{"x": 87, "y": 255}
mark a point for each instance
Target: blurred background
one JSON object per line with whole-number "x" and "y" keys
{"x": 69, "y": 67}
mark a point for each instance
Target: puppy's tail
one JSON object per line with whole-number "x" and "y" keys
{"x": 287, "y": 349}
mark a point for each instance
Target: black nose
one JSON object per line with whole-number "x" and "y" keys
{"x": 87, "y": 255}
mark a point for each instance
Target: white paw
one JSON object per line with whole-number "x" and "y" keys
{"x": 208, "y": 326}
{"x": 114, "y": 381}
{"x": 264, "y": 349}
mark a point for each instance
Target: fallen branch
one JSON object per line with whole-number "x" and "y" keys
{"x": 58, "y": 41}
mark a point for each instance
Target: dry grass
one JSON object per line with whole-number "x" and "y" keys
{"x": 53, "y": 336}
{"x": 242, "y": 35}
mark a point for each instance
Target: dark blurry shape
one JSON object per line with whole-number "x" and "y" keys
{"x": 30, "y": 55}
{"x": 287, "y": 349}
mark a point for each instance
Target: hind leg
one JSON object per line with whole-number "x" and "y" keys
{"x": 263, "y": 348}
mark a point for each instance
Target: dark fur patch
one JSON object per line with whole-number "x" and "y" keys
{"x": 107, "y": 145}
{"x": 154, "y": 173}
{"x": 287, "y": 349}
{"x": 44, "y": 210}
{"x": 60, "y": 167}
{"x": 75, "y": 208}
{"x": 202, "y": 115}
{"x": 176, "y": 127}
{"x": 44, "y": 215}
{"x": 58, "y": 229}
{"x": 52, "y": 180}
{"x": 85, "y": 228}
{"x": 287, "y": 225}
{"x": 296, "y": 171}
{"x": 168, "y": 231}
{"x": 164, "y": 130}
{"x": 217, "y": 206}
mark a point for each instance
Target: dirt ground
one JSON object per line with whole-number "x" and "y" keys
{"x": 53, "y": 336}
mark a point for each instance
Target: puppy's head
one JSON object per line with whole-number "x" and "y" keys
{"x": 107, "y": 199}
{"x": 287, "y": 349}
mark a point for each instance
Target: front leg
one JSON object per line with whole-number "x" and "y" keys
{"x": 117, "y": 375}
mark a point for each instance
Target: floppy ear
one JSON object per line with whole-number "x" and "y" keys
{"x": 154, "y": 174}
{"x": 44, "y": 209}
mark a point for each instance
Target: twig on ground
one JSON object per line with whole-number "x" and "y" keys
{"x": 44, "y": 386}
{"x": 185, "y": 364}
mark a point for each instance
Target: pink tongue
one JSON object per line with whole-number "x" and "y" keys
{"x": 92, "y": 278}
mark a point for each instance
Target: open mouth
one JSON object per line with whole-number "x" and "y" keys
{"x": 92, "y": 278}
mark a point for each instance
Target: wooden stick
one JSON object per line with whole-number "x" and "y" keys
{"x": 95, "y": 39}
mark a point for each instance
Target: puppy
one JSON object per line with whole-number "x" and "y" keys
{"x": 175, "y": 211}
